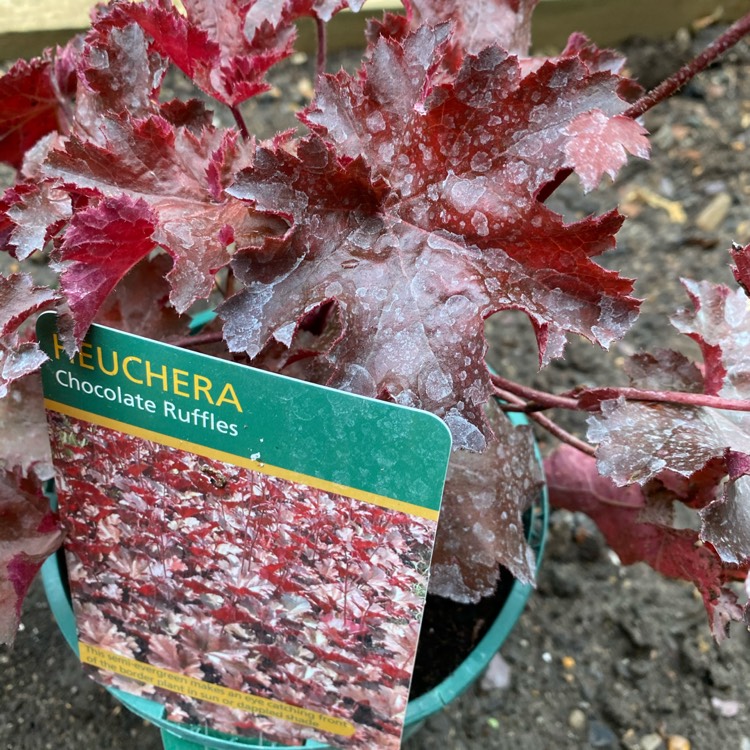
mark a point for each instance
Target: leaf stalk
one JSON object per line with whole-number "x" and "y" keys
{"x": 688, "y": 71}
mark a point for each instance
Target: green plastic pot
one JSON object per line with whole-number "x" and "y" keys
{"x": 182, "y": 737}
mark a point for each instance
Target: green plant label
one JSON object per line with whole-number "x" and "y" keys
{"x": 250, "y": 550}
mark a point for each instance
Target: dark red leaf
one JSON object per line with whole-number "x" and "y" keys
{"x": 575, "y": 485}
{"x": 185, "y": 174}
{"x": 638, "y": 441}
{"x": 34, "y": 213}
{"x": 506, "y": 23}
{"x": 282, "y": 13}
{"x": 29, "y": 533}
{"x": 718, "y": 322}
{"x": 20, "y": 298}
{"x": 211, "y": 45}
{"x": 191, "y": 114}
{"x": 726, "y": 521}
{"x": 140, "y": 302}
{"x": 595, "y": 59}
{"x": 741, "y": 257}
{"x": 481, "y": 519}
{"x": 102, "y": 243}
{"x": 31, "y": 107}
{"x": 420, "y": 230}
{"x": 664, "y": 370}
{"x": 23, "y": 359}
{"x": 117, "y": 76}
{"x": 22, "y": 414}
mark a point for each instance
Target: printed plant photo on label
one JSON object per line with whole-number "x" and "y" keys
{"x": 214, "y": 572}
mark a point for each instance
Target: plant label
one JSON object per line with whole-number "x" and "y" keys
{"x": 250, "y": 550}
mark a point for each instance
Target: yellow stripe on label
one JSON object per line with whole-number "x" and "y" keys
{"x": 246, "y": 463}
{"x": 207, "y": 691}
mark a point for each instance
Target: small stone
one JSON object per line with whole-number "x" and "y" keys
{"x": 745, "y": 743}
{"x": 678, "y": 742}
{"x": 577, "y": 720}
{"x": 568, "y": 662}
{"x": 713, "y": 215}
{"x": 601, "y": 736}
{"x": 726, "y": 708}
{"x": 650, "y": 742}
{"x": 306, "y": 90}
{"x": 742, "y": 235}
{"x": 497, "y": 675}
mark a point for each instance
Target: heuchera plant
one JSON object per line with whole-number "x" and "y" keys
{"x": 366, "y": 252}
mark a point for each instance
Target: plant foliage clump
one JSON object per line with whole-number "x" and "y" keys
{"x": 366, "y": 253}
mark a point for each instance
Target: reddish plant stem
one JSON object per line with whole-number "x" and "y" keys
{"x": 545, "y": 422}
{"x": 550, "y": 187}
{"x": 240, "y": 120}
{"x": 536, "y": 398}
{"x": 320, "y": 62}
{"x": 688, "y": 71}
{"x": 679, "y": 398}
{"x": 667, "y": 88}
{"x": 563, "y": 435}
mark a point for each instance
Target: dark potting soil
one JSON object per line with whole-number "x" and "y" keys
{"x": 450, "y": 632}
{"x": 604, "y": 656}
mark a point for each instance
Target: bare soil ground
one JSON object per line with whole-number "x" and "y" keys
{"x": 604, "y": 656}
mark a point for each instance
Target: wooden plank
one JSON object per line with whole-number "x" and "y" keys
{"x": 27, "y": 26}
{"x": 18, "y": 16}
{"x": 30, "y": 43}
{"x": 609, "y": 22}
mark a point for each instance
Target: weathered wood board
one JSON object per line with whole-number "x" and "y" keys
{"x": 27, "y": 26}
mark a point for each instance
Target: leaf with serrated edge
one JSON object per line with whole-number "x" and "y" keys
{"x": 420, "y": 229}
{"x": 22, "y": 413}
{"x": 139, "y": 303}
{"x": 285, "y": 12}
{"x": 178, "y": 187}
{"x": 118, "y": 77}
{"x": 210, "y": 45}
{"x": 29, "y": 533}
{"x": 481, "y": 518}
{"x": 726, "y": 522}
{"x": 478, "y": 24}
{"x": 741, "y": 269}
{"x": 637, "y": 441}
{"x": 600, "y": 144}
{"x": 595, "y": 59}
{"x": 719, "y": 322}
{"x": 31, "y": 107}
{"x": 23, "y": 359}
{"x": 34, "y": 214}
{"x": 19, "y": 299}
{"x": 575, "y": 484}
{"x": 102, "y": 243}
